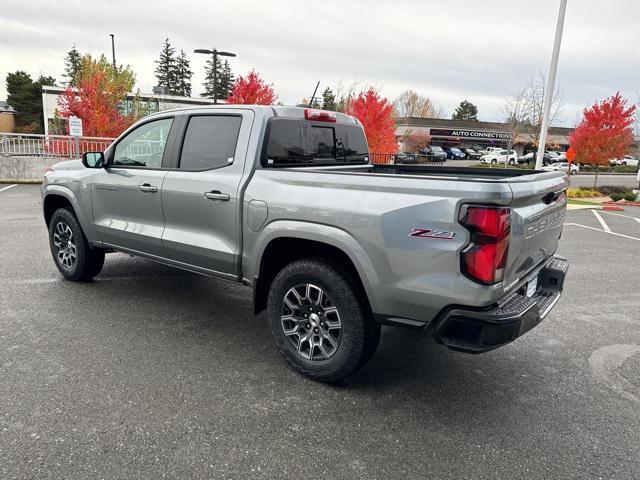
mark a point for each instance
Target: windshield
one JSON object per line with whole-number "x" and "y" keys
{"x": 437, "y": 149}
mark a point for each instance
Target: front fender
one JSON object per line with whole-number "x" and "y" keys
{"x": 81, "y": 206}
{"x": 329, "y": 235}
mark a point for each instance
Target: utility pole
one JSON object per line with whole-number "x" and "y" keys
{"x": 113, "y": 49}
{"x": 551, "y": 81}
{"x": 215, "y": 54}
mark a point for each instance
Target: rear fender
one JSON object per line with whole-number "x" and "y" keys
{"x": 319, "y": 233}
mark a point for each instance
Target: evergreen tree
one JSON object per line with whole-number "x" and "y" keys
{"x": 466, "y": 111}
{"x": 328, "y": 100}
{"x": 183, "y": 75}
{"x": 166, "y": 68}
{"x": 72, "y": 64}
{"x": 225, "y": 79}
{"x": 25, "y": 96}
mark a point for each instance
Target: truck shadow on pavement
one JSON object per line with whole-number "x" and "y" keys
{"x": 216, "y": 318}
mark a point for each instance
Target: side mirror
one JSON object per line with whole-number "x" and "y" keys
{"x": 93, "y": 159}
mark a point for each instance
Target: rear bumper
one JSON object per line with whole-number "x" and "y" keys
{"x": 477, "y": 330}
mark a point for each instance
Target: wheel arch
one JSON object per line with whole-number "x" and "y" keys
{"x": 58, "y": 196}
{"x": 283, "y": 243}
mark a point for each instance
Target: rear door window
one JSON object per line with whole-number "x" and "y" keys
{"x": 210, "y": 142}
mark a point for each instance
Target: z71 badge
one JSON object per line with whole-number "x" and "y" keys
{"x": 428, "y": 233}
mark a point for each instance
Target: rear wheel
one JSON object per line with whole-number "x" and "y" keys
{"x": 320, "y": 321}
{"x": 494, "y": 162}
{"x": 75, "y": 258}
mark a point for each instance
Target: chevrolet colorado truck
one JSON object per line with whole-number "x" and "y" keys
{"x": 285, "y": 201}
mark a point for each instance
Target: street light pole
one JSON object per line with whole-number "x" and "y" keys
{"x": 215, "y": 76}
{"x": 215, "y": 54}
{"x": 551, "y": 81}
{"x": 113, "y": 49}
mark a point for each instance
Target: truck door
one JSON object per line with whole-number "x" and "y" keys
{"x": 200, "y": 196}
{"x": 125, "y": 197}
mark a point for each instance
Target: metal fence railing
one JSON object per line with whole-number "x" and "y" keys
{"x": 64, "y": 146}
{"x": 403, "y": 159}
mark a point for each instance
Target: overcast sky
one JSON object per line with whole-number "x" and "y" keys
{"x": 452, "y": 50}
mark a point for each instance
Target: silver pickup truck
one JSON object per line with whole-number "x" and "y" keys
{"x": 285, "y": 201}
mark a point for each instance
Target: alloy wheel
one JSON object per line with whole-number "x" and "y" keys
{"x": 311, "y": 322}
{"x": 65, "y": 247}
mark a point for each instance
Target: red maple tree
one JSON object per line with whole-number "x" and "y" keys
{"x": 604, "y": 132}
{"x": 96, "y": 99}
{"x": 376, "y": 115}
{"x": 415, "y": 141}
{"x": 251, "y": 90}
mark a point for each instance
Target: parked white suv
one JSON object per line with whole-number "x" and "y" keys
{"x": 488, "y": 150}
{"x": 626, "y": 160}
{"x": 501, "y": 156}
{"x": 563, "y": 167}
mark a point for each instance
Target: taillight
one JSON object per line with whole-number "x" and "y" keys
{"x": 485, "y": 259}
{"x": 319, "y": 115}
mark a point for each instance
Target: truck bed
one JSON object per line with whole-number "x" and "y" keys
{"x": 469, "y": 174}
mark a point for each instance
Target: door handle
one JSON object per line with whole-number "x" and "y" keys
{"x": 145, "y": 187}
{"x": 217, "y": 195}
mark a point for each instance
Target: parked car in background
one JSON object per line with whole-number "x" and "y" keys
{"x": 562, "y": 167}
{"x": 530, "y": 157}
{"x": 503, "y": 156}
{"x": 434, "y": 153}
{"x": 488, "y": 150}
{"x": 527, "y": 158}
{"x": 555, "y": 156}
{"x": 626, "y": 160}
{"x": 455, "y": 153}
{"x": 405, "y": 158}
{"x": 472, "y": 154}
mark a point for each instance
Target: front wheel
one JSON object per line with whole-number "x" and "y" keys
{"x": 320, "y": 321}
{"x": 75, "y": 259}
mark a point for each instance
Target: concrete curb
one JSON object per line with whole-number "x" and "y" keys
{"x": 571, "y": 206}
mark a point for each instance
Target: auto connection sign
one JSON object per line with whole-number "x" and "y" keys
{"x": 483, "y": 134}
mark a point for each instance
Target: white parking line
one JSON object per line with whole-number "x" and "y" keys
{"x": 7, "y": 188}
{"x": 602, "y": 222}
{"x": 620, "y": 215}
{"x": 603, "y": 231}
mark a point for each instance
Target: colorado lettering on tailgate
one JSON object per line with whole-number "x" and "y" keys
{"x": 535, "y": 225}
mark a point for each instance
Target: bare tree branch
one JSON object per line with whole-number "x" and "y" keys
{"x": 411, "y": 104}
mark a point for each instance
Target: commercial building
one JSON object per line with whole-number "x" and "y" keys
{"x": 7, "y": 118}
{"x": 149, "y": 102}
{"x": 479, "y": 135}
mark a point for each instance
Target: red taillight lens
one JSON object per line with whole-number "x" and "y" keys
{"x": 485, "y": 259}
{"x": 319, "y": 115}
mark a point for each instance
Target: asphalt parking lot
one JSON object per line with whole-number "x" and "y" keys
{"x": 151, "y": 372}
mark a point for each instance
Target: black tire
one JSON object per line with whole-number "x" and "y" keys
{"x": 88, "y": 261}
{"x": 359, "y": 334}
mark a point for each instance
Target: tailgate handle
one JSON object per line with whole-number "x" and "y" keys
{"x": 551, "y": 197}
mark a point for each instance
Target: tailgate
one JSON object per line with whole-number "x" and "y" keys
{"x": 537, "y": 215}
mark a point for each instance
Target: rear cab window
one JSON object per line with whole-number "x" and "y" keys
{"x": 296, "y": 143}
